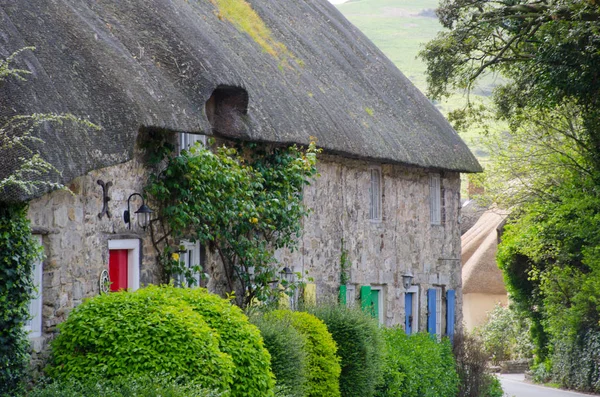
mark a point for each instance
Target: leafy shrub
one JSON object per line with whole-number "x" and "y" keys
{"x": 120, "y": 387}
{"x": 323, "y": 364}
{"x": 471, "y": 364}
{"x": 541, "y": 372}
{"x": 17, "y": 256}
{"x": 494, "y": 388}
{"x": 417, "y": 366}
{"x": 505, "y": 335}
{"x": 575, "y": 363}
{"x": 238, "y": 338}
{"x": 289, "y": 361}
{"x": 360, "y": 347}
{"x": 143, "y": 333}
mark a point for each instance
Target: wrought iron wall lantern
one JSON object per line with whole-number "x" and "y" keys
{"x": 288, "y": 275}
{"x": 407, "y": 279}
{"x": 143, "y": 213}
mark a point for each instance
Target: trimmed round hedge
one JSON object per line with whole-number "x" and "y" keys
{"x": 289, "y": 359}
{"x": 361, "y": 348}
{"x": 323, "y": 363}
{"x": 238, "y": 338}
{"x": 143, "y": 333}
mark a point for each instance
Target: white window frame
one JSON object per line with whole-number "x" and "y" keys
{"x": 415, "y": 307}
{"x": 133, "y": 260}
{"x": 192, "y": 252}
{"x": 186, "y": 140}
{"x": 33, "y": 326}
{"x": 375, "y": 194}
{"x": 381, "y": 311}
{"x": 435, "y": 199}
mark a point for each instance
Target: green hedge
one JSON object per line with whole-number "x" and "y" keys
{"x": 18, "y": 251}
{"x": 576, "y": 362}
{"x": 289, "y": 361}
{"x": 144, "y": 333}
{"x": 361, "y": 348}
{"x": 120, "y": 387}
{"x": 323, "y": 363}
{"x": 417, "y": 366}
{"x": 238, "y": 338}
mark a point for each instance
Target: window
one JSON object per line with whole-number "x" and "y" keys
{"x": 34, "y": 324}
{"x": 435, "y": 199}
{"x": 226, "y": 109}
{"x": 191, "y": 255}
{"x": 350, "y": 295}
{"x": 124, "y": 264}
{"x": 375, "y": 195}
{"x": 187, "y": 140}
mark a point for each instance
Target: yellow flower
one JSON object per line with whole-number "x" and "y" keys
{"x": 175, "y": 256}
{"x": 254, "y": 220}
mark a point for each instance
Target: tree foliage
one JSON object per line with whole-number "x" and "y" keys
{"x": 547, "y": 51}
{"x": 546, "y": 167}
{"x": 505, "y": 335}
{"x": 244, "y": 202}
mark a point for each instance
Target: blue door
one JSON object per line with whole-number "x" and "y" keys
{"x": 431, "y": 311}
{"x": 408, "y": 307}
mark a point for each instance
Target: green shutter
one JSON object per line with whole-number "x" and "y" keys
{"x": 365, "y": 298}
{"x": 342, "y": 296}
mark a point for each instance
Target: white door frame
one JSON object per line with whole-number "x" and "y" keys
{"x": 133, "y": 260}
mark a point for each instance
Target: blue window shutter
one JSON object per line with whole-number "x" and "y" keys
{"x": 408, "y": 320}
{"x": 365, "y": 298}
{"x": 450, "y": 313}
{"x": 431, "y": 311}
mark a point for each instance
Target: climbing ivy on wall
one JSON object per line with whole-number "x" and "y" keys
{"x": 242, "y": 201}
{"x": 17, "y": 255}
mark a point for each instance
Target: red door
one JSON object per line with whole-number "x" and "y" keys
{"x": 117, "y": 269}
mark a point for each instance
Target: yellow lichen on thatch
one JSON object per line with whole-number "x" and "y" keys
{"x": 241, "y": 14}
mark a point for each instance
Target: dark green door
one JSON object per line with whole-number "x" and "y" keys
{"x": 375, "y": 303}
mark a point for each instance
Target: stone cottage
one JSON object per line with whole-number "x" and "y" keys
{"x": 389, "y": 186}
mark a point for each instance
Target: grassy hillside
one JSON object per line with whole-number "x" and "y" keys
{"x": 400, "y": 28}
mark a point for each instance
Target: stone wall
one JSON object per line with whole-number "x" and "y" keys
{"x": 75, "y": 239}
{"x": 380, "y": 252}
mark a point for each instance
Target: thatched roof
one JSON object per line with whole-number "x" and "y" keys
{"x": 470, "y": 212}
{"x": 480, "y": 273}
{"x": 155, "y": 63}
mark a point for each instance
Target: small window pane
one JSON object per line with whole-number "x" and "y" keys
{"x": 375, "y": 195}
{"x": 190, "y": 257}
{"x": 187, "y": 140}
{"x": 34, "y": 323}
{"x": 435, "y": 199}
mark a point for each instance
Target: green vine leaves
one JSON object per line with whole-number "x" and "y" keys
{"x": 243, "y": 202}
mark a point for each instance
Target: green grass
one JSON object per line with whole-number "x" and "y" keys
{"x": 400, "y": 28}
